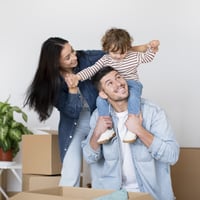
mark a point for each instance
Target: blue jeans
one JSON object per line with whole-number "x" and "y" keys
{"x": 71, "y": 168}
{"x": 134, "y": 100}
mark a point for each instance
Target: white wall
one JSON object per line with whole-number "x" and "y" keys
{"x": 171, "y": 80}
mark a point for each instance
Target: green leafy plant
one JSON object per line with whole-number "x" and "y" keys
{"x": 11, "y": 131}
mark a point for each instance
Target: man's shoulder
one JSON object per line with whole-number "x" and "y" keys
{"x": 94, "y": 116}
{"x": 151, "y": 112}
{"x": 147, "y": 104}
{"x": 95, "y": 113}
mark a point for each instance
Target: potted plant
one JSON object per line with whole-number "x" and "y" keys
{"x": 11, "y": 131}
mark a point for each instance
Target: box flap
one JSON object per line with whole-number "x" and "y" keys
{"x": 43, "y": 131}
{"x": 36, "y": 196}
{"x": 72, "y": 193}
{"x": 48, "y": 131}
{"x": 139, "y": 196}
{"x": 37, "y": 182}
{"x": 94, "y": 193}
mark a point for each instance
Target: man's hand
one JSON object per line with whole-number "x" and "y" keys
{"x": 134, "y": 123}
{"x": 103, "y": 123}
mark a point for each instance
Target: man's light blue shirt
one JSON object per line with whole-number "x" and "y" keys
{"x": 152, "y": 165}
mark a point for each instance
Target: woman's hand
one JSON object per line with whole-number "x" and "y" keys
{"x": 72, "y": 82}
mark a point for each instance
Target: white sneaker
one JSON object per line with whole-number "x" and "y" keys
{"x": 129, "y": 137}
{"x": 106, "y": 136}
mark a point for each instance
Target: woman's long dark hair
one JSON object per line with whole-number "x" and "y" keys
{"x": 42, "y": 92}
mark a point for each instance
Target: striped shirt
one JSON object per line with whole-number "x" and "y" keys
{"x": 127, "y": 67}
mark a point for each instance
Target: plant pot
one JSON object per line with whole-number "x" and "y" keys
{"x": 6, "y": 156}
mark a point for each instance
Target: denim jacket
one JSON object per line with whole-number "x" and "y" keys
{"x": 152, "y": 165}
{"x": 70, "y": 105}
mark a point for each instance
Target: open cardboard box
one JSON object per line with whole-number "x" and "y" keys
{"x": 72, "y": 193}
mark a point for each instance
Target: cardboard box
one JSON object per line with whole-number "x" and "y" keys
{"x": 36, "y": 182}
{"x": 186, "y": 174}
{"x": 40, "y": 154}
{"x": 72, "y": 193}
{"x": 85, "y": 175}
{"x": 3, "y": 182}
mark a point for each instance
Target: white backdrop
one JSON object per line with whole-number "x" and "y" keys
{"x": 171, "y": 80}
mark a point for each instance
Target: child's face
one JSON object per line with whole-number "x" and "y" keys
{"x": 117, "y": 55}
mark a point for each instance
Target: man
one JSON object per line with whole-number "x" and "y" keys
{"x": 143, "y": 166}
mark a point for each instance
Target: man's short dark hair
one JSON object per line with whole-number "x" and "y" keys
{"x": 100, "y": 74}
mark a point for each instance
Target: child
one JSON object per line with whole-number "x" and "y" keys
{"x": 117, "y": 43}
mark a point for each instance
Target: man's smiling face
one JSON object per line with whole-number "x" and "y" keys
{"x": 114, "y": 87}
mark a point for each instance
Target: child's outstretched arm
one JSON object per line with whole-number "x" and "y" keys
{"x": 140, "y": 48}
{"x": 143, "y": 48}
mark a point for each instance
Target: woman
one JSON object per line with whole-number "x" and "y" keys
{"x": 52, "y": 86}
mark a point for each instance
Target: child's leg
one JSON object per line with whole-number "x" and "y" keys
{"x": 134, "y": 100}
{"x": 102, "y": 106}
{"x": 103, "y": 109}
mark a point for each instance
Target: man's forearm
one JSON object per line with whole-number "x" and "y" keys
{"x": 93, "y": 141}
{"x": 145, "y": 136}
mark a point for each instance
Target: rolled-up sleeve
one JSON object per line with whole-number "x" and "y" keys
{"x": 164, "y": 146}
{"x": 91, "y": 155}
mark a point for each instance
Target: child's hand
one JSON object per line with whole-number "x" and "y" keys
{"x": 154, "y": 44}
{"x": 74, "y": 80}
{"x": 71, "y": 80}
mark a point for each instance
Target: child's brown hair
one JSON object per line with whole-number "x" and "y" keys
{"x": 115, "y": 40}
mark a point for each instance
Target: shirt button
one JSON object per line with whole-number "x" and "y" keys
{"x": 75, "y": 123}
{"x": 65, "y": 149}
{"x": 70, "y": 137}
